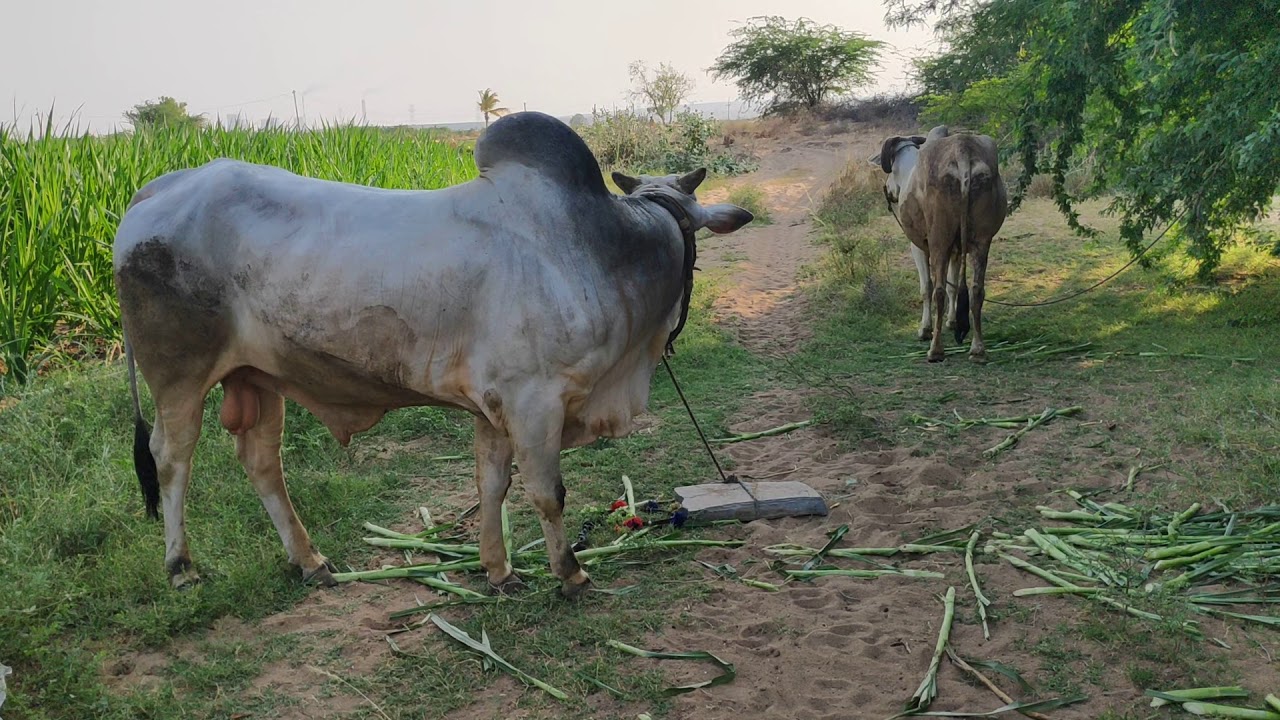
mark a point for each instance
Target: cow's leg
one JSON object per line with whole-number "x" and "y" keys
{"x": 258, "y": 448}
{"x": 978, "y": 259}
{"x": 953, "y": 289}
{"x": 173, "y": 443}
{"x": 922, "y": 269}
{"x": 493, "y": 477}
{"x": 939, "y": 258}
{"x": 537, "y": 448}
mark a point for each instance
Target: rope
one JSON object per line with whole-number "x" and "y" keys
{"x": 1104, "y": 280}
{"x": 723, "y": 477}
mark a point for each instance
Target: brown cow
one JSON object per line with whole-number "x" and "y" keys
{"x": 948, "y": 196}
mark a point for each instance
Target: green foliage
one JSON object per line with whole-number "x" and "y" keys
{"x": 61, "y": 197}
{"x": 163, "y": 112}
{"x": 663, "y": 91}
{"x": 784, "y": 64}
{"x": 625, "y": 141}
{"x": 1176, "y": 101}
{"x": 751, "y": 198}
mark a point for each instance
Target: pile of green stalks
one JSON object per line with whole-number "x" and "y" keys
{"x": 1119, "y": 556}
{"x": 439, "y": 557}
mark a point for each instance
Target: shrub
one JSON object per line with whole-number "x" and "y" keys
{"x": 625, "y": 141}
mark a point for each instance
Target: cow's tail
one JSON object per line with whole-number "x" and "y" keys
{"x": 962, "y": 293}
{"x": 144, "y": 463}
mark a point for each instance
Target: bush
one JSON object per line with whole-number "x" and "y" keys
{"x": 898, "y": 109}
{"x": 625, "y": 141}
{"x": 751, "y": 198}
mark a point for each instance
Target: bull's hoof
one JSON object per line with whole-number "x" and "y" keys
{"x": 321, "y": 575}
{"x": 979, "y": 357}
{"x": 576, "y": 586}
{"x": 182, "y": 575}
{"x": 511, "y": 585}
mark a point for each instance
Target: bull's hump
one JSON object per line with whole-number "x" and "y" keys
{"x": 544, "y": 144}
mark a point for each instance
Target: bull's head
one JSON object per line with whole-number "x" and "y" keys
{"x": 889, "y": 150}
{"x": 720, "y": 218}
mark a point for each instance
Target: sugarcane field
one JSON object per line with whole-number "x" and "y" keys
{"x": 819, "y": 360}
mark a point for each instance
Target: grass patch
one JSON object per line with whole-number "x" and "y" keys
{"x": 84, "y": 583}
{"x": 751, "y": 198}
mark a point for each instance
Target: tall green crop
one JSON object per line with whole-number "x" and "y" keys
{"x": 62, "y": 195}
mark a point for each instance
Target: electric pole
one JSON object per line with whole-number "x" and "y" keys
{"x": 297, "y": 119}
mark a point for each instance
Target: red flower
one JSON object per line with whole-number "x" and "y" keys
{"x": 617, "y": 504}
{"x": 633, "y": 523}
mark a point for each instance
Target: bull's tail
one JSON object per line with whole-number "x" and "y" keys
{"x": 962, "y": 293}
{"x": 144, "y": 463}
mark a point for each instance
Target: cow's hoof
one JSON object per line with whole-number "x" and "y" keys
{"x": 978, "y": 357}
{"x": 511, "y": 585}
{"x": 925, "y": 334}
{"x": 321, "y": 575}
{"x": 937, "y": 357}
{"x": 182, "y": 575}
{"x": 576, "y": 586}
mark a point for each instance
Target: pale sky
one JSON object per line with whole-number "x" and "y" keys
{"x": 99, "y": 57}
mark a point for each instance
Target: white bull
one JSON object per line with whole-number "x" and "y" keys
{"x": 531, "y": 297}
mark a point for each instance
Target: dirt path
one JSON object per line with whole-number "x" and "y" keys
{"x": 838, "y": 647}
{"x": 760, "y": 301}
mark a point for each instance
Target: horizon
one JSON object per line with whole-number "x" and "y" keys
{"x": 252, "y": 59}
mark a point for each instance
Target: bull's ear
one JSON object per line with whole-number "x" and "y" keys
{"x": 690, "y": 182}
{"x": 724, "y": 218}
{"x": 886, "y": 153}
{"x": 625, "y": 183}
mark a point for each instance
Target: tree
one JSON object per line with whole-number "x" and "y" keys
{"x": 163, "y": 112}
{"x": 489, "y": 105}
{"x": 663, "y": 92}
{"x": 783, "y": 64}
{"x": 1174, "y": 101}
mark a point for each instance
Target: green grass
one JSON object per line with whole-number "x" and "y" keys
{"x": 752, "y": 199}
{"x": 84, "y": 583}
{"x": 61, "y": 197}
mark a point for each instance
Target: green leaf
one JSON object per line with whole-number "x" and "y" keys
{"x": 727, "y": 676}
{"x": 484, "y": 649}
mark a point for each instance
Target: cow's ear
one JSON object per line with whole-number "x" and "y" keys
{"x": 886, "y": 153}
{"x": 724, "y": 218}
{"x": 625, "y": 183}
{"x": 690, "y": 182}
{"x": 918, "y": 140}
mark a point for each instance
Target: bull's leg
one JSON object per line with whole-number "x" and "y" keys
{"x": 939, "y": 258}
{"x": 978, "y": 259}
{"x": 258, "y": 448}
{"x": 922, "y": 269}
{"x": 493, "y": 477}
{"x": 537, "y": 449}
{"x": 173, "y": 443}
{"x": 953, "y": 289}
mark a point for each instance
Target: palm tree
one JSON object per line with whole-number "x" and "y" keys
{"x": 489, "y": 105}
